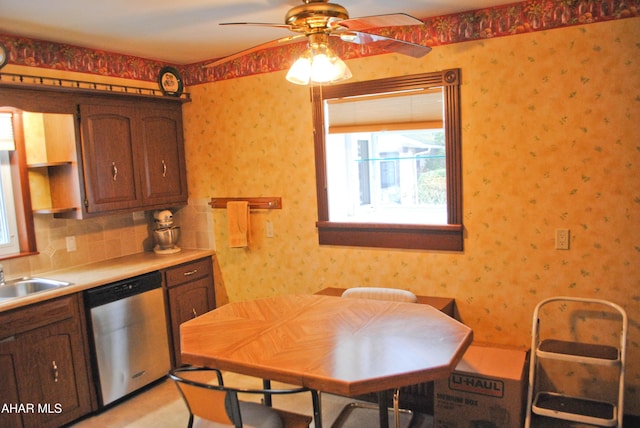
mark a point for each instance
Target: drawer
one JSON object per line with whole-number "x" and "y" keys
{"x": 189, "y": 272}
{"x": 37, "y": 315}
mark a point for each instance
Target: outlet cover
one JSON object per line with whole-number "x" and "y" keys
{"x": 71, "y": 243}
{"x": 562, "y": 239}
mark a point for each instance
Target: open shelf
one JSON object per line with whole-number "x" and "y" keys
{"x": 50, "y": 142}
{"x": 58, "y": 210}
{"x": 51, "y": 189}
{"x": 48, "y": 164}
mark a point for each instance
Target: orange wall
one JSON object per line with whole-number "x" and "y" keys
{"x": 550, "y": 140}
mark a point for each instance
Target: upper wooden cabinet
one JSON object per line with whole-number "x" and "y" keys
{"x": 108, "y": 154}
{"x": 133, "y": 156}
{"x": 128, "y": 151}
{"x": 162, "y": 154}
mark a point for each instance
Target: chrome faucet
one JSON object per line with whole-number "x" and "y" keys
{"x": 1, "y": 275}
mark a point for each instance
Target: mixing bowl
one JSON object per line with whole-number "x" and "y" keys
{"x": 167, "y": 238}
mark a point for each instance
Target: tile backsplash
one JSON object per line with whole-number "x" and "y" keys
{"x": 107, "y": 237}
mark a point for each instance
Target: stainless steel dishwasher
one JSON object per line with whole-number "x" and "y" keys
{"x": 129, "y": 334}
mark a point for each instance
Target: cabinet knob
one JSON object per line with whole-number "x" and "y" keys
{"x": 164, "y": 168}
{"x": 193, "y": 311}
{"x": 114, "y": 171}
{"x": 54, "y": 366}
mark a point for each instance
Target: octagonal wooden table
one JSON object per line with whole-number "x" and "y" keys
{"x": 325, "y": 343}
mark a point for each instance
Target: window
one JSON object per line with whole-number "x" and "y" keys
{"x": 17, "y": 235}
{"x": 388, "y": 164}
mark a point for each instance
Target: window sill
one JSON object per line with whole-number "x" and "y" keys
{"x": 406, "y": 236}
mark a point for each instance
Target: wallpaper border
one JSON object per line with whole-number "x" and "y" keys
{"x": 499, "y": 21}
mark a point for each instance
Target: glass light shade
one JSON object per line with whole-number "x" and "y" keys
{"x": 300, "y": 71}
{"x": 318, "y": 64}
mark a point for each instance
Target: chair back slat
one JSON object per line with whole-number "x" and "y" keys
{"x": 381, "y": 293}
{"x": 212, "y": 401}
{"x": 206, "y": 403}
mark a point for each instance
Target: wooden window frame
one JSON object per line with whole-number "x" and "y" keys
{"x": 21, "y": 191}
{"x": 447, "y": 237}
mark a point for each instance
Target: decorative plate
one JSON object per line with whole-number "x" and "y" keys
{"x": 170, "y": 82}
{"x": 4, "y": 55}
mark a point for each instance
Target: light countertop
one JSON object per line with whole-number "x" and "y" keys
{"x": 101, "y": 273}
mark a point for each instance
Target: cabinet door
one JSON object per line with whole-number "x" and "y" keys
{"x": 108, "y": 152}
{"x": 187, "y": 302}
{"x": 162, "y": 156}
{"x": 52, "y": 375}
{"x": 8, "y": 384}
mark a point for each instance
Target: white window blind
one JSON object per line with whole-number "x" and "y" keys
{"x": 6, "y": 132}
{"x": 386, "y": 112}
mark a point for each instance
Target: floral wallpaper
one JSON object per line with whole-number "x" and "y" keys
{"x": 549, "y": 141}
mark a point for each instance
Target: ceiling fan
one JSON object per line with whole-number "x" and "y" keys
{"x": 317, "y": 20}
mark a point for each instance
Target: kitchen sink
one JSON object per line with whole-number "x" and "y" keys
{"x": 26, "y": 286}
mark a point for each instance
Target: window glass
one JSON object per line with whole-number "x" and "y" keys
{"x": 386, "y": 158}
{"x": 9, "y": 243}
{"x": 387, "y": 177}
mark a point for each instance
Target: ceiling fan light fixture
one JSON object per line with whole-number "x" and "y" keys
{"x": 318, "y": 64}
{"x": 318, "y": 20}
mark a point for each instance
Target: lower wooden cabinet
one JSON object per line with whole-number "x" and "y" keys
{"x": 45, "y": 380}
{"x": 9, "y": 384}
{"x": 190, "y": 294}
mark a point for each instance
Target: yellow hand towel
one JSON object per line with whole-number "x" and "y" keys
{"x": 239, "y": 225}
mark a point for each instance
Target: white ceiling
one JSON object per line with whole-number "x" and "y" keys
{"x": 183, "y": 31}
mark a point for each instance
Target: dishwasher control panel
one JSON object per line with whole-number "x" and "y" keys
{"x": 122, "y": 289}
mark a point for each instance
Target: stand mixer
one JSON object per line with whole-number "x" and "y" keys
{"x": 165, "y": 233}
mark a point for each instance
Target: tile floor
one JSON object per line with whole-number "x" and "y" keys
{"x": 162, "y": 407}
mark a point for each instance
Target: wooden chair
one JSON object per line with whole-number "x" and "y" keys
{"x": 377, "y": 293}
{"x": 381, "y": 293}
{"x": 216, "y": 405}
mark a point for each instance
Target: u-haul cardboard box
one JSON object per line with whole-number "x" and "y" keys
{"x": 486, "y": 390}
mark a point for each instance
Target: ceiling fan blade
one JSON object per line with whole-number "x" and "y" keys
{"x": 377, "y": 21}
{"x": 385, "y": 43}
{"x": 258, "y": 24}
{"x": 271, "y": 44}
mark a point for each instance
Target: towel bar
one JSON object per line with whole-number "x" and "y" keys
{"x": 263, "y": 203}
